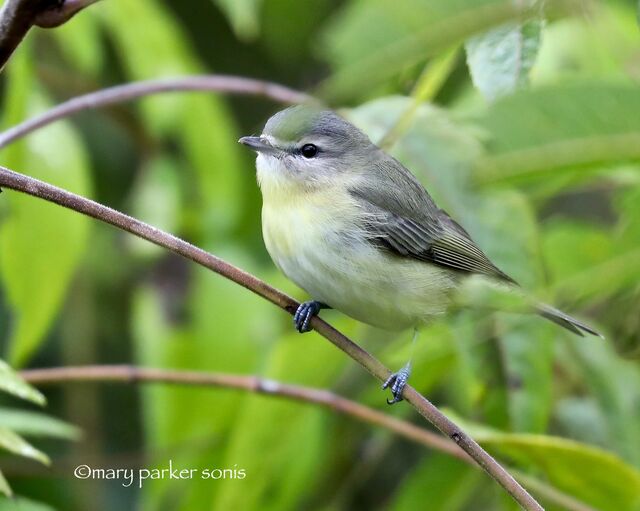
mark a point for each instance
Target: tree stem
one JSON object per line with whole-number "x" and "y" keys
{"x": 18, "y": 16}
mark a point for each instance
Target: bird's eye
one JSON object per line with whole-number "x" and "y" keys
{"x": 309, "y": 150}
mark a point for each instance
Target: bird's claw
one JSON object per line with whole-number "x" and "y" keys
{"x": 304, "y": 313}
{"x": 397, "y": 382}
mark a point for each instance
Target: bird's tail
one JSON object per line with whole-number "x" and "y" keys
{"x": 566, "y": 321}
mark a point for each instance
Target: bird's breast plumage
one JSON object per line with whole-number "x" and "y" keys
{"x": 317, "y": 239}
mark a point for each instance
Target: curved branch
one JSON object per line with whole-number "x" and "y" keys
{"x": 56, "y": 16}
{"x": 36, "y": 188}
{"x": 126, "y": 92}
{"x": 18, "y": 16}
{"x": 335, "y": 402}
{"x": 134, "y": 374}
{"x": 16, "y": 19}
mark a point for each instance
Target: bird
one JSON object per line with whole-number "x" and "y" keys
{"x": 355, "y": 229}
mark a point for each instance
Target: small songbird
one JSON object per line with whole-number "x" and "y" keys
{"x": 355, "y": 229}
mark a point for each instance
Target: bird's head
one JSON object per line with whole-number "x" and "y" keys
{"x": 304, "y": 147}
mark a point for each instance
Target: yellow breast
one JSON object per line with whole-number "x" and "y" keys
{"x": 292, "y": 222}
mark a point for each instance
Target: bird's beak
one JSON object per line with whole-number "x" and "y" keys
{"x": 258, "y": 144}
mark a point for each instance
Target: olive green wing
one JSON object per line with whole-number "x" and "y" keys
{"x": 433, "y": 242}
{"x": 402, "y": 217}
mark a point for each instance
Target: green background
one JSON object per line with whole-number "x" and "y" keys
{"x": 539, "y": 161}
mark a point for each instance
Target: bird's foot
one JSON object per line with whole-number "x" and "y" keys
{"x": 305, "y": 312}
{"x": 397, "y": 382}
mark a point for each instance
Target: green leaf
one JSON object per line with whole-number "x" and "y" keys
{"x": 14, "y": 443}
{"x": 13, "y": 384}
{"x": 40, "y": 243}
{"x": 243, "y": 16}
{"x": 500, "y": 60}
{"x": 370, "y": 41}
{"x": 592, "y": 475}
{"x": 5, "y": 489}
{"x": 37, "y": 424}
{"x": 568, "y": 128}
{"x": 23, "y": 504}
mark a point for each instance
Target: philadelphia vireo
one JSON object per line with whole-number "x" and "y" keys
{"x": 355, "y": 229}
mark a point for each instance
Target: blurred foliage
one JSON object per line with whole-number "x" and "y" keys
{"x": 501, "y": 59}
{"x": 524, "y": 126}
{"x": 14, "y": 423}
{"x": 41, "y": 244}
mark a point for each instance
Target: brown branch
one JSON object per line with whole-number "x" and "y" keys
{"x": 51, "y": 18}
{"x": 18, "y": 16}
{"x": 135, "y": 374}
{"x": 126, "y": 92}
{"x": 36, "y": 188}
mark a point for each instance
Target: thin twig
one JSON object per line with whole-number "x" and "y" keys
{"x": 126, "y": 92}
{"x": 18, "y": 16}
{"x": 36, "y": 188}
{"x": 134, "y": 374}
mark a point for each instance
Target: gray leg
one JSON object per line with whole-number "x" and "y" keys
{"x": 305, "y": 312}
{"x": 397, "y": 382}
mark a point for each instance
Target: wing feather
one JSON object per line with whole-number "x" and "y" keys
{"x": 401, "y": 215}
{"x": 432, "y": 243}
